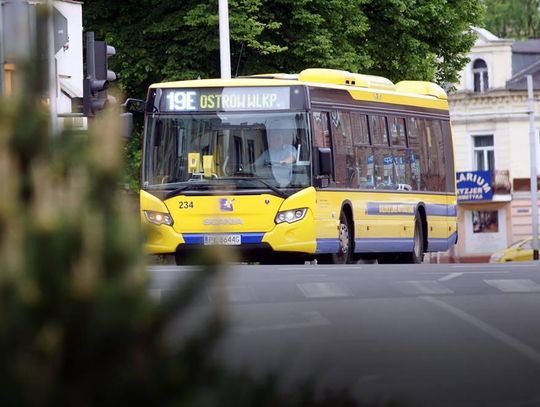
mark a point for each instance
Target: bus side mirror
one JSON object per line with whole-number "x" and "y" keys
{"x": 127, "y": 124}
{"x": 325, "y": 161}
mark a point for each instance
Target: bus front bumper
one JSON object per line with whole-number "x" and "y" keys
{"x": 297, "y": 237}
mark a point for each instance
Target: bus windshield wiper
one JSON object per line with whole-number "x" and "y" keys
{"x": 189, "y": 186}
{"x": 264, "y": 182}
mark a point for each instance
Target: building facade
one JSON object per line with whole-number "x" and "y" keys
{"x": 489, "y": 115}
{"x": 17, "y": 29}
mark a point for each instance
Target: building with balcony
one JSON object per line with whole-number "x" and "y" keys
{"x": 490, "y": 124}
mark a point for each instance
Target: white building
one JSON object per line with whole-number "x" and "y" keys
{"x": 15, "y": 37}
{"x": 491, "y": 133}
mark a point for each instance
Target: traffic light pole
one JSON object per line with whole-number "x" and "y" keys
{"x": 52, "y": 70}
{"x": 98, "y": 75}
{"x": 90, "y": 53}
{"x": 534, "y": 173}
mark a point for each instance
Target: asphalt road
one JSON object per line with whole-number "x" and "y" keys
{"x": 425, "y": 335}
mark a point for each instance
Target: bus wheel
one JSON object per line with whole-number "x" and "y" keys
{"x": 345, "y": 239}
{"x": 417, "y": 253}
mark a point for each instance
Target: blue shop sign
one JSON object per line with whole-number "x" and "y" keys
{"x": 474, "y": 186}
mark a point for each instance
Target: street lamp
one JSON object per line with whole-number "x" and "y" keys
{"x": 534, "y": 175}
{"x": 224, "y": 46}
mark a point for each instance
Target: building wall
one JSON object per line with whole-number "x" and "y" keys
{"x": 484, "y": 242}
{"x": 503, "y": 114}
{"x": 69, "y": 59}
{"x": 521, "y": 216}
{"x": 498, "y": 56}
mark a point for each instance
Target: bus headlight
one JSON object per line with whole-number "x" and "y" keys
{"x": 158, "y": 218}
{"x": 293, "y": 215}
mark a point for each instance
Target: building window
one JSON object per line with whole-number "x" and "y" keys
{"x": 480, "y": 73}
{"x": 485, "y": 221}
{"x": 484, "y": 154}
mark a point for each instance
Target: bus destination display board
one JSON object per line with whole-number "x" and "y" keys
{"x": 227, "y": 99}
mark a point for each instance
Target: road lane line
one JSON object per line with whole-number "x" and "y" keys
{"x": 450, "y": 276}
{"x": 324, "y": 290}
{"x": 480, "y": 266}
{"x": 313, "y": 319}
{"x": 428, "y": 287}
{"x": 526, "y": 350}
{"x": 515, "y": 286}
{"x": 467, "y": 272}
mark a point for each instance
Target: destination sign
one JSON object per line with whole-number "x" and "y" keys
{"x": 226, "y": 99}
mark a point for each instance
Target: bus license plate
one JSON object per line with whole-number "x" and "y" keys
{"x": 228, "y": 240}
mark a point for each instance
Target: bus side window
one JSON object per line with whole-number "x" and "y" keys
{"x": 413, "y": 138}
{"x": 344, "y": 167}
{"x": 383, "y": 160}
{"x": 447, "y": 146}
{"x": 402, "y": 169}
{"x": 321, "y": 129}
{"x": 435, "y": 158}
{"x": 363, "y": 152}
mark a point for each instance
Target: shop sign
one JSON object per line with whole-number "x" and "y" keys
{"x": 474, "y": 186}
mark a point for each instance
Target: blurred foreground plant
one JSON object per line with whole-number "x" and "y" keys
{"x": 77, "y": 324}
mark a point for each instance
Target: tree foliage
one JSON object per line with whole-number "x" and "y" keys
{"x": 160, "y": 40}
{"x": 518, "y": 19}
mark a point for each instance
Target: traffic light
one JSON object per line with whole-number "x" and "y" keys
{"x": 98, "y": 76}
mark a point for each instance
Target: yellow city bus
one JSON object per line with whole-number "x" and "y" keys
{"x": 372, "y": 172}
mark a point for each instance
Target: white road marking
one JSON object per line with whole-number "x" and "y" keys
{"x": 450, "y": 276}
{"x": 153, "y": 267}
{"x": 468, "y": 272}
{"x": 233, "y": 294}
{"x": 427, "y": 287}
{"x": 515, "y": 286}
{"x": 526, "y": 350}
{"x": 486, "y": 265}
{"x": 324, "y": 290}
{"x": 313, "y": 319}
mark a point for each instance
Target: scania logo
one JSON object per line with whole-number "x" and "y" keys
{"x": 223, "y": 221}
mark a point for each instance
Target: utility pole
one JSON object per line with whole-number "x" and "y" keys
{"x": 2, "y": 60}
{"x": 224, "y": 44}
{"x": 534, "y": 175}
{"x": 51, "y": 57}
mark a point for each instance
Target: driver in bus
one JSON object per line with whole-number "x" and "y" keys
{"x": 279, "y": 151}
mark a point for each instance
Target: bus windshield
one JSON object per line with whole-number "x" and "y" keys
{"x": 242, "y": 150}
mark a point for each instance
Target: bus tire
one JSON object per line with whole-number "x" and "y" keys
{"x": 345, "y": 239}
{"x": 416, "y": 256}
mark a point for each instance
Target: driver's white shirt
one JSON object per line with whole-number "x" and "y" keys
{"x": 282, "y": 154}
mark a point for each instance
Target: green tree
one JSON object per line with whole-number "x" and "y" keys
{"x": 518, "y": 19}
{"x": 161, "y": 40}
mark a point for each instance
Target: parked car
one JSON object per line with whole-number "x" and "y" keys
{"x": 517, "y": 251}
